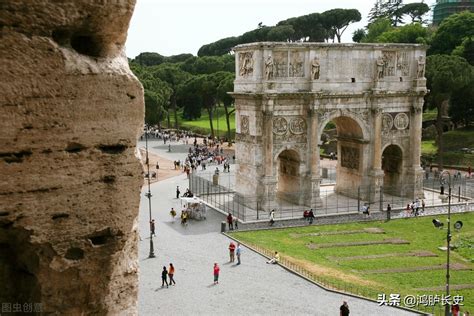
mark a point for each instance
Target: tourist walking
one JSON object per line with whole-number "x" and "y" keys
{"x": 389, "y": 209}
{"x": 216, "y": 273}
{"x": 173, "y": 214}
{"x": 236, "y": 222}
{"x": 344, "y": 309}
{"x": 275, "y": 259}
{"x": 238, "y": 252}
{"x": 164, "y": 277}
{"x": 272, "y": 217}
{"x": 230, "y": 221}
{"x": 171, "y": 274}
{"x": 232, "y": 251}
{"x": 177, "y": 192}
{"x": 311, "y": 216}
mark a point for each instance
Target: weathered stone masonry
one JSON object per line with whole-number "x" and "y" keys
{"x": 70, "y": 112}
{"x": 286, "y": 93}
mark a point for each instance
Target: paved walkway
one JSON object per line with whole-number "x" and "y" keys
{"x": 253, "y": 288}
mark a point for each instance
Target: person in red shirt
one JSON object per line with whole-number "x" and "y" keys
{"x": 216, "y": 273}
{"x": 232, "y": 251}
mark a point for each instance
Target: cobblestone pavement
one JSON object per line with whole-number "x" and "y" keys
{"x": 253, "y": 288}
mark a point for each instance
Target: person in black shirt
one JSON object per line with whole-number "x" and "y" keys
{"x": 344, "y": 309}
{"x": 164, "y": 277}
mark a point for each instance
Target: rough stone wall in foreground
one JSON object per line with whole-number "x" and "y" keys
{"x": 70, "y": 112}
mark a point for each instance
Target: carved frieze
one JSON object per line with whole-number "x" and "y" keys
{"x": 290, "y": 138}
{"x": 296, "y": 64}
{"x": 387, "y": 122}
{"x": 280, "y": 126}
{"x": 244, "y": 124}
{"x": 402, "y": 63}
{"x": 280, "y": 68}
{"x": 350, "y": 157}
{"x": 298, "y": 125}
{"x": 389, "y": 59}
{"x": 245, "y": 64}
{"x": 246, "y": 138}
{"x": 395, "y": 133}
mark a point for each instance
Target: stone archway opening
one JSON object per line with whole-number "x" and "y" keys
{"x": 288, "y": 186}
{"x": 348, "y": 145}
{"x": 392, "y": 163}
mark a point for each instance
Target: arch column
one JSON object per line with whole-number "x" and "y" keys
{"x": 269, "y": 178}
{"x": 415, "y": 172}
{"x": 314, "y": 174}
{"x": 376, "y": 172}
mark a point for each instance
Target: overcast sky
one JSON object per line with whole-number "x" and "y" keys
{"x": 171, "y": 27}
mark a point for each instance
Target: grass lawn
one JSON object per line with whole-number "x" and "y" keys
{"x": 430, "y": 115}
{"x": 202, "y": 125}
{"x": 454, "y": 141}
{"x": 428, "y": 147}
{"x": 334, "y": 265}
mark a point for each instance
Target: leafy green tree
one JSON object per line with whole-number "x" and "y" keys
{"x": 415, "y": 11}
{"x": 173, "y": 76}
{"x": 149, "y": 59}
{"x": 466, "y": 49}
{"x": 280, "y": 33}
{"x": 461, "y": 107}
{"x": 226, "y": 85}
{"x": 392, "y": 10}
{"x": 410, "y": 33}
{"x": 338, "y": 20}
{"x": 452, "y": 32}
{"x": 376, "y": 13}
{"x": 189, "y": 96}
{"x": 376, "y": 29}
{"x": 358, "y": 35}
{"x": 209, "y": 64}
{"x": 445, "y": 74}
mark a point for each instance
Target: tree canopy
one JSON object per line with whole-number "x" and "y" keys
{"x": 314, "y": 27}
{"x": 338, "y": 20}
{"x": 456, "y": 30}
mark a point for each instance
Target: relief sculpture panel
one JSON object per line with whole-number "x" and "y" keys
{"x": 280, "y": 64}
{"x": 245, "y": 64}
{"x": 244, "y": 124}
{"x": 350, "y": 157}
{"x": 297, "y": 64}
{"x": 280, "y": 126}
{"x": 298, "y": 126}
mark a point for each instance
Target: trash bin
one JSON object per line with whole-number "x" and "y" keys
{"x": 223, "y": 223}
{"x": 215, "y": 179}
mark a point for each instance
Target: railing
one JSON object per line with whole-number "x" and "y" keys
{"x": 341, "y": 286}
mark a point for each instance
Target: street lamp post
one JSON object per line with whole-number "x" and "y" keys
{"x": 447, "y": 312}
{"x": 148, "y": 195}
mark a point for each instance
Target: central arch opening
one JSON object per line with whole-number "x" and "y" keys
{"x": 392, "y": 162}
{"x": 288, "y": 176}
{"x": 343, "y": 143}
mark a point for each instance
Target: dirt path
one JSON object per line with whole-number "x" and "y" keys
{"x": 166, "y": 166}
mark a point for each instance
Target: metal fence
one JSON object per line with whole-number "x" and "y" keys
{"x": 221, "y": 194}
{"x": 342, "y": 286}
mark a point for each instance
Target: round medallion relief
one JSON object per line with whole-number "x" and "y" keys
{"x": 280, "y": 126}
{"x": 401, "y": 121}
{"x": 298, "y": 126}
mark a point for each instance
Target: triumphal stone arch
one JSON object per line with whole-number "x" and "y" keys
{"x": 286, "y": 93}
